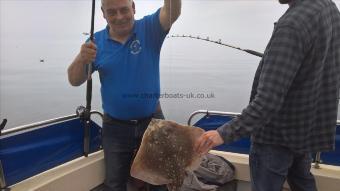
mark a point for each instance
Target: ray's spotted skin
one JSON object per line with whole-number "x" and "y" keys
{"x": 166, "y": 153}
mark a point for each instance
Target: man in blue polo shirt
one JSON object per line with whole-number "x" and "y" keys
{"x": 126, "y": 55}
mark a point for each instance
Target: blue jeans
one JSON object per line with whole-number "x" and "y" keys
{"x": 272, "y": 165}
{"x": 120, "y": 142}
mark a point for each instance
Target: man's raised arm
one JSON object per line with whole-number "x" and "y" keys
{"x": 169, "y": 13}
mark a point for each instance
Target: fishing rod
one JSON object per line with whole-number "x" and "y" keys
{"x": 87, "y": 111}
{"x": 2, "y": 125}
{"x": 219, "y": 42}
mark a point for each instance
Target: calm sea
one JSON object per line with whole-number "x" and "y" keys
{"x": 40, "y": 38}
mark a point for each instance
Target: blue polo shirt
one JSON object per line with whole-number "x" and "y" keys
{"x": 129, "y": 73}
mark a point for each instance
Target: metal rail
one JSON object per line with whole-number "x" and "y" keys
{"x": 43, "y": 123}
{"x": 206, "y": 112}
{"x": 317, "y": 161}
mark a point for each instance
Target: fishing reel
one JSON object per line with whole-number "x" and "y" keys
{"x": 83, "y": 113}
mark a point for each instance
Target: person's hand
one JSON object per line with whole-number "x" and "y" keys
{"x": 207, "y": 141}
{"x": 88, "y": 52}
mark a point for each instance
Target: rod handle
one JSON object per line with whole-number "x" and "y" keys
{"x": 254, "y": 52}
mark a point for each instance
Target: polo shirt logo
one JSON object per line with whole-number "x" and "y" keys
{"x": 135, "y": 47}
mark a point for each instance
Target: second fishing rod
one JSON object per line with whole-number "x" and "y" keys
{"x": 219, "y": 42}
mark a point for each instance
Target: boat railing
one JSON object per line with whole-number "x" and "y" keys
{"x": 207, "y": 112}
{"x": 232, "y": 114}
{"x": 43, "y": 123}
{"x": 40, "y": 124}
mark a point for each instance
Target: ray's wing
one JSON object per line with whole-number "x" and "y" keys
{"x": 166, "y": 153}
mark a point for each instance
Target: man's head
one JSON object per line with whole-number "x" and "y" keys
{"x": 119, "y": 15}
{"x": 285, "y": 1}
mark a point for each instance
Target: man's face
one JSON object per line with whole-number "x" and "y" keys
{"x": 119, "y": 15}
{"x": 285, "y": 1}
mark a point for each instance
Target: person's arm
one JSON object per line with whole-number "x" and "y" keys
{"x": 284, "y": 56}
{"x": 77, "y": 72}
{"x": 169, "y": 13}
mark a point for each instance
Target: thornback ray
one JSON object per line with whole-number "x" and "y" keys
{"x": 166, "y": 153}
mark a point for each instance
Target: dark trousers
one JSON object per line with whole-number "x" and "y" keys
{"x": 272, "y": 165}
{"x": 120, "y": 142}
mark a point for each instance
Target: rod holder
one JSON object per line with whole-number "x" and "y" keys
{"x": 317, "y": 160}
{"x": 2, "y": 179}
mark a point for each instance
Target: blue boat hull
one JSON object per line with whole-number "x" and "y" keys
{"x": 31, "y": 152}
